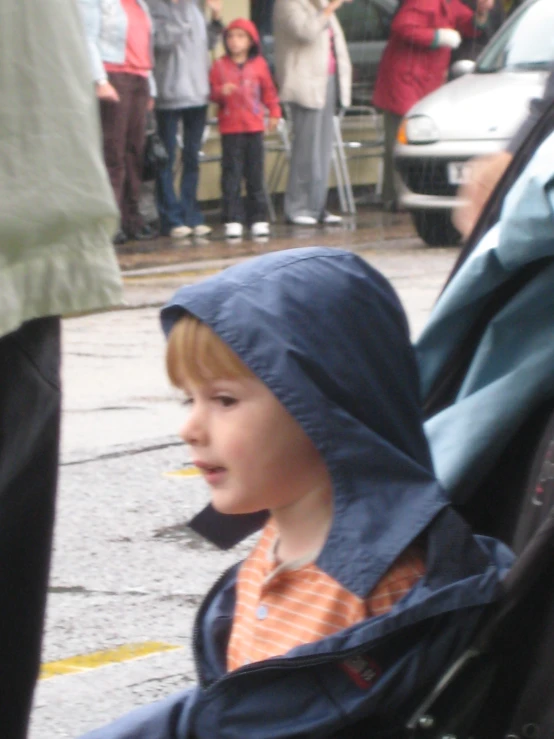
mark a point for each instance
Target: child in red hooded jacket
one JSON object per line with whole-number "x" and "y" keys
{"x": 242, "y": 86}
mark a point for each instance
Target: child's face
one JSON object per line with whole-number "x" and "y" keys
{"x": 252, "y": 453}
{"x": 238, "y": 41}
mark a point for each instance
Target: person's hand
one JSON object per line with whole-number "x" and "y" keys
{"x": 106, "y": 91}
{"x": 228, "y": 88}
{"x": 484, "y": 174}
{"x": 151, "y": 104}
{"x": 216, "y": 7}
{"x": 448, "y": 37}
{"x": 333, "y": 6}
{"x": 272, "y": 124}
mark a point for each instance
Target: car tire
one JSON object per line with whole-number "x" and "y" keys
{"x": 436, "y": 228}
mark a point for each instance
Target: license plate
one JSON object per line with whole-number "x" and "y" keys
{"x": 458, "y": 173}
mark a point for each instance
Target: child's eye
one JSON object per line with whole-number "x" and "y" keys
{"x": 187, "y": 401}
{"x": 226, "y": 400}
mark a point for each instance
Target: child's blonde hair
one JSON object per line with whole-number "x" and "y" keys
{"x": 195, "y": 354}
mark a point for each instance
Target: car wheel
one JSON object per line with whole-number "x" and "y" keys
{"x": 436, "y": 228}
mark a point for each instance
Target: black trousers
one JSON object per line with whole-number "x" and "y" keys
{"x": 243, "y": 158}
{"x": 29, "y": 443}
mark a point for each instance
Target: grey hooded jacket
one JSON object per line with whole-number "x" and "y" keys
{"x": 182, "y": 41}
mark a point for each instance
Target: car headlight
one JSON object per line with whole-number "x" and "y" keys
{"x": 419, "y": 129}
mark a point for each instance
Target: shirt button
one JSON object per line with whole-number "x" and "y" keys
{"x": 261, "y": 613}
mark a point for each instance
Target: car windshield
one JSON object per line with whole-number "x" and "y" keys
{"x": 525, "y": 42}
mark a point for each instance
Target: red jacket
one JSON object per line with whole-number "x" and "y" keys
{"x": 410, "y": 67}
{"x": 243, "y": 110}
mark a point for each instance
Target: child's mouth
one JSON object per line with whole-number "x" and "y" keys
{"x": 211, "y": 473}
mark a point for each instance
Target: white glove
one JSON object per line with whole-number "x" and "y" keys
{"x": 448, "y": 37}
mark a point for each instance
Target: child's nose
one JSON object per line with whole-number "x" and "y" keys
{"x": 193, "y": 431}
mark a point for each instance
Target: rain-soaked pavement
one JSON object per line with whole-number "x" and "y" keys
{"x": 127, "y": 575}
{"x": 369, "y": 226}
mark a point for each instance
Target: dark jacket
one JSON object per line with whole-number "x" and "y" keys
{"x": 326, "y": 333}
{"x": 243, "y": 110}
{"x": 411, "y": 66}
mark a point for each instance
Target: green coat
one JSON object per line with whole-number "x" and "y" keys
{"x": 57, "y": 211}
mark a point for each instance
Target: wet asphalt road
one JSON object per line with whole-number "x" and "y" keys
{"x": 126, "y": 572}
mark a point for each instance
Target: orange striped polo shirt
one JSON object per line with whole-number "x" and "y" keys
{"x": 281, "y": 606}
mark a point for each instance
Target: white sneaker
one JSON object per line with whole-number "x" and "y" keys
{"x": 331, "y": 219}
{"x": 304, "y": 221}
{"x": 260, "y": 228}
{"x": 202, "y": 230}
{"x": 180, "y": 232}
{"x": 233, "y": 230}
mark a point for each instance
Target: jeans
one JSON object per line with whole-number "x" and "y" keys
{"x": 29, "y": 441}
{"x": 243, "y": 157}
{"x": 184, "y": 210}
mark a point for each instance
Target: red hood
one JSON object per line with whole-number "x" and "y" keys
{"x": 250, "y": 29}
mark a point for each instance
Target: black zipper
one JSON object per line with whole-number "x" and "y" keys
{"x": 286, "y": 663}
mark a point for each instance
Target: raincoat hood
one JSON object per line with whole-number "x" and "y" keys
{"x": 250, "y": 29}
{"x": 327, "y": 335}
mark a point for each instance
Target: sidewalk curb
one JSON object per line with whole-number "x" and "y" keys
{"x": 210, "y": 266}
{"x": 201, "y": 266}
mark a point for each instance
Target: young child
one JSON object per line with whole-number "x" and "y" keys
{"x": 241, "y": 85}
{"x": 305, "y": 414}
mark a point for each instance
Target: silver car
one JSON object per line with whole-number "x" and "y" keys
{"x": 473, "y": 115}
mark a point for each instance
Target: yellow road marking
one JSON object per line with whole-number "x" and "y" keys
{"x": 185, "y": 472}
{"x": 84, "y": 662}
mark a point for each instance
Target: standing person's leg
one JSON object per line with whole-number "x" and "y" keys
{"x": 391, "y": 123}
{"x": 134, "y": 155}
{"x": 169, "y": 208}
{"x": 312, "y": 150}
{"x": 194, "y": 122}
{"x": 303, "y": 160}
{"x": 232, "y": 164}
{"x": 114, "y": 118}
{"x": 256, "y": 205}
{"x": 324, "y": 141}
{"x": 29, "y": 441}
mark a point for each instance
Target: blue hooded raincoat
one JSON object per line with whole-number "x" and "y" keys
{"x": 327, "y": 334}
